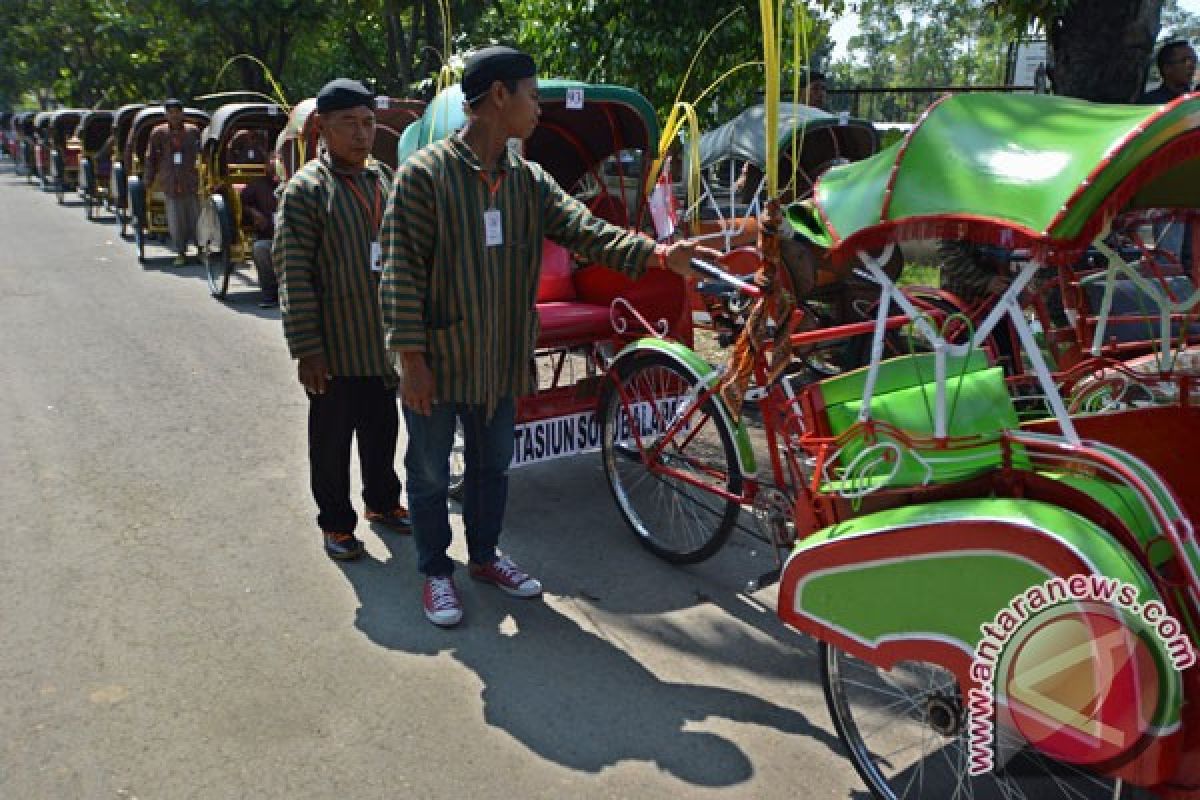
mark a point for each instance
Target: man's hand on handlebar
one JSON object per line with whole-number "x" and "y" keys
{"x": 677, "y": 257}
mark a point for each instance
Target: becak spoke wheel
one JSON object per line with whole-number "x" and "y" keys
{"x": 677, "y": 500}
{"x": 214, "y": 231}
{"x": 906, "y": 732}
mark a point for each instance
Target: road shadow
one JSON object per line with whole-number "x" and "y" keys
{"x": 572, "y": 695}
{"x": 165, "y": 263}
{"x": 103, "y": 217}
{"x": 244, "y": 295}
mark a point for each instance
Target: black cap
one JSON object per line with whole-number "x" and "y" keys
{"x": 492, "y": 64}
{"x": 808, "y": 76}
{"x": 343, "y": 93}
{"x": 173, "y": 102}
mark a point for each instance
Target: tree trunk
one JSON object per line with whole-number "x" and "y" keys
{"x": 1100, "y": 48}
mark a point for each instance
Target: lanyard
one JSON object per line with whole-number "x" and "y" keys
{"x": 377, "y": 217}
{"x": 493, "y": 188}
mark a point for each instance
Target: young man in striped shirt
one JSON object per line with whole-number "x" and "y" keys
{"x": 462, "y": 240}
{"x": 326, "y": 249}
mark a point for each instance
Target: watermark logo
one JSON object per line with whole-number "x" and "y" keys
{"x": 1074, "y": 680}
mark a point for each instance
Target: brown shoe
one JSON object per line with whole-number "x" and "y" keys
{"x": 397, "y": 519}
{"x": 342, "y": 546}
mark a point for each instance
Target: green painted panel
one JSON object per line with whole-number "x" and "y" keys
{"x": 949, "y": 595}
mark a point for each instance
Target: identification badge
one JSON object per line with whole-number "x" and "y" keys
{"x": 493, "y": 228}
{"x": 178, "y": 157}
{"x": 376, "y": 257}
{"x": 382, "y": 102}
{"x": 574, "y": 99}
{"x": 250, "y": 155}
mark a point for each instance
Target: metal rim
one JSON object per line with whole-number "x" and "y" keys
{"x": 906, "y": 733}
{"x": 674, "y": 519}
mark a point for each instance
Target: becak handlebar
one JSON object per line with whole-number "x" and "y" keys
{"x": 717, "y": 274}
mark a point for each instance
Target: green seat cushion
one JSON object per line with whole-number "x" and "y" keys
{"x": 977, "y": 403}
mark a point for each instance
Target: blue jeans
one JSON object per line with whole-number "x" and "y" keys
{"x": 489, "y": 448}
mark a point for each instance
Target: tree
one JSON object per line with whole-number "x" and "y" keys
{"x": 919, "y": 43}
{"x": 1178, "y": 23}
{"x": 649, "y": 46}
{"x": 1100, "y": 49}
{"x": 397, "y": 42}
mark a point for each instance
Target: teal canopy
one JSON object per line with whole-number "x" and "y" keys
{"x": 581, "y": 125}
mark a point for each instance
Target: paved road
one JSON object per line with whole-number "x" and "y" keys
{"x": 171, "y": 629}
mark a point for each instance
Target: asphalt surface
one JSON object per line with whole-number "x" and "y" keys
{"x": 171, "y": 628}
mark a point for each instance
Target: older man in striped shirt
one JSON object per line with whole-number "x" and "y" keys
{"x": 326, "y": 249}
{"x": 462, "y": 240}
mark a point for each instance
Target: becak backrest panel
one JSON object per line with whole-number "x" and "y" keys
{"x": 978, "y": 407}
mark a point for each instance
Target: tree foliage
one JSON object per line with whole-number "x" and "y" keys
{"x": 105, "y": 52}
{"x": 1099, "y": 49}
{"x": 87, "y": 52}
{"x": 651, "y": 45}
{"x": 919, "y": 43}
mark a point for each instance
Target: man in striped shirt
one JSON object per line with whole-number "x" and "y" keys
{"x": 462, "y": 240}
{"x": 326, "y": 249}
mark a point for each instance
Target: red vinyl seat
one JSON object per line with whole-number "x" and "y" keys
{"x": 574, "y": 304}
{"x": 565, "y": 320}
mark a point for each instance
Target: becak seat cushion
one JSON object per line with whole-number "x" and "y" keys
{"x": 567, "y": 323}
{"x": 555, "y": 283}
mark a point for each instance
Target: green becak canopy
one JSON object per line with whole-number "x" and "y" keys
{"x": 1032, "y": 171}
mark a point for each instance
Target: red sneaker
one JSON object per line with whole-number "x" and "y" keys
{"x": 442, "y": 606}
{"x": 507, "y": 575}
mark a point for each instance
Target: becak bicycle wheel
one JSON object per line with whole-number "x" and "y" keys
{"x": 670, "y": 497}
{"x": 906, "y": 732}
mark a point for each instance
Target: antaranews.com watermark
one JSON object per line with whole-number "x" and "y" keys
{"x": 1070, "y": 649}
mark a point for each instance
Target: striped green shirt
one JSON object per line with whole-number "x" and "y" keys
{"x": 470, "y": 306}
{"x": 322, "y": 250}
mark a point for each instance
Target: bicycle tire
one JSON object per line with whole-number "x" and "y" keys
{"x": 677, "y": 521}
{"x": 919, "y": 745}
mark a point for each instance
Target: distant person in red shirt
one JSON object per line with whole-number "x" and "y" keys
{"x": 171, "y": 160}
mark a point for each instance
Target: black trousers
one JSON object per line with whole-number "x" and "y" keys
{"x": 352, "y": 407}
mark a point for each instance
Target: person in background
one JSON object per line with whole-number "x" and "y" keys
{"x": 171, "y": 161}
{"x": 258, "y": 211}
{"x": 246, "y": 147}
{"x": 812, "y": 89}
{"x": 1176, "y": 63}
{"x": 326, "y": 250}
